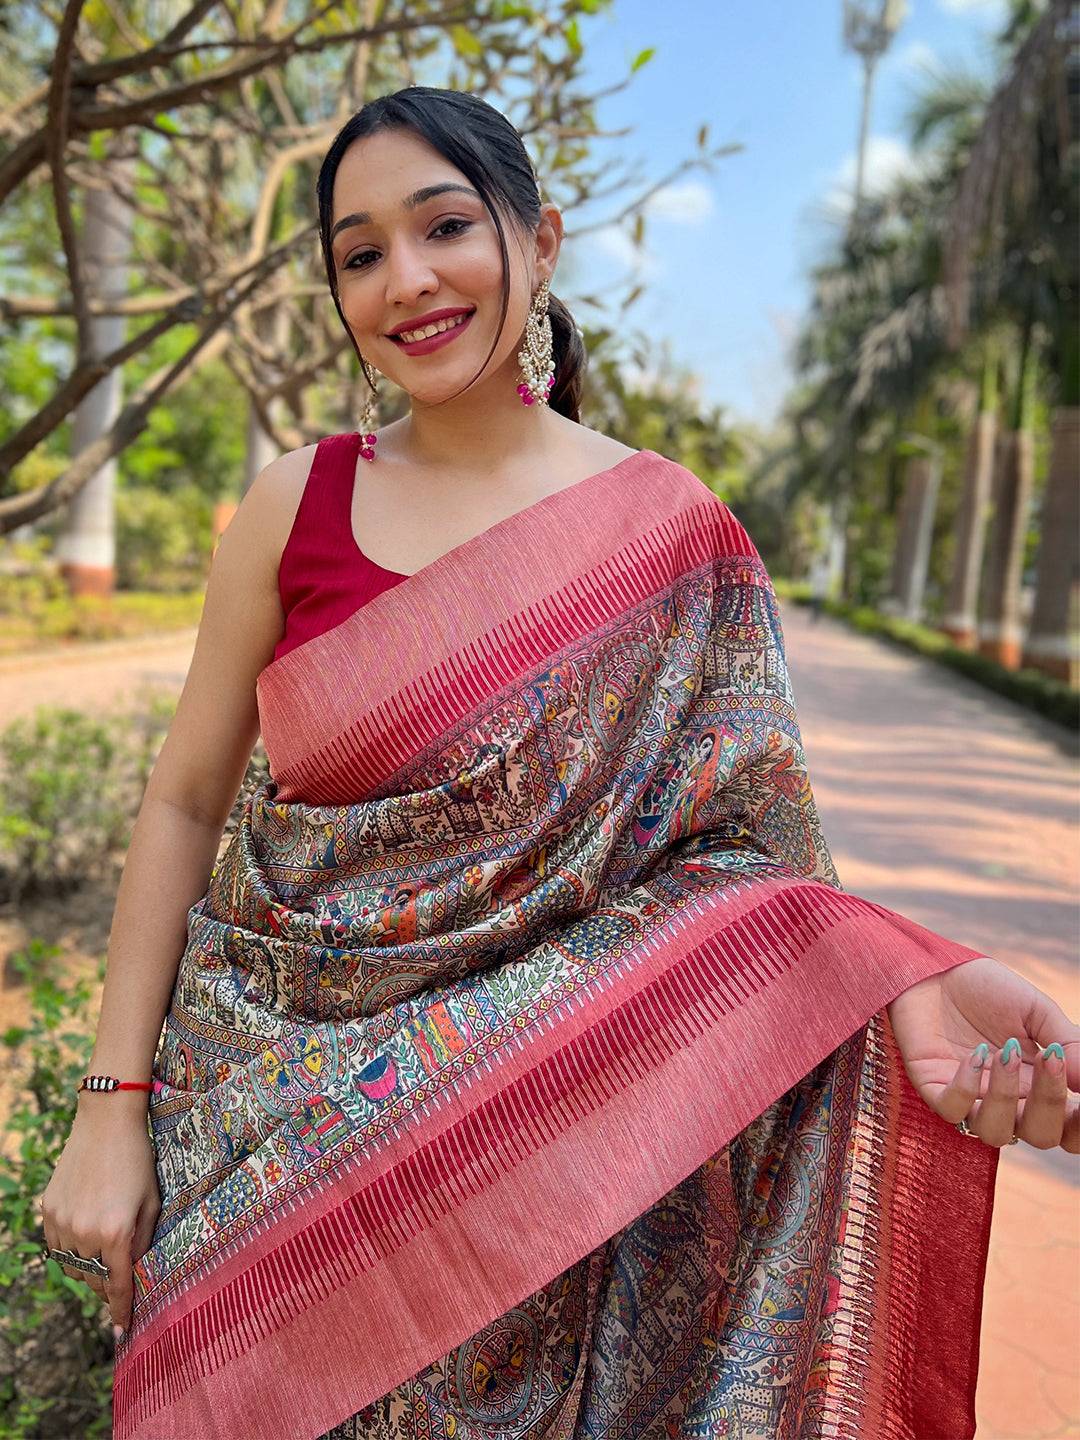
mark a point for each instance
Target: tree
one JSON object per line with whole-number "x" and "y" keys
{"x": 1020, "y": 192}
{"x": 224, "y": 119}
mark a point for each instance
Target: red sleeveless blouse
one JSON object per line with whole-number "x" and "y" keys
{"x": 323, "y": 575}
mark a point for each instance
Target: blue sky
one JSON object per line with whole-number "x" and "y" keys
{"x": 728, "y": 252}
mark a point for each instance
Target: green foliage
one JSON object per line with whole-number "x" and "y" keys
{"x": 73, "y": 784}
{"x": 197, "y": 439}
{"x": 56, "y": 1345}
{"x": 27, "y": 582}
{"x": 36, "y": 611}
{"x": 163, "y": 540}
{"x": 664, "y": 414}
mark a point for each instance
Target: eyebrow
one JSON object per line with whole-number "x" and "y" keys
{"x": 427, "y": 192}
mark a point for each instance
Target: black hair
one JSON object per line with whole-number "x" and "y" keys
{"x": 485, "y": 147}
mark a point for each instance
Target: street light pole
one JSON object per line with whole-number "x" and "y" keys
{"x": 869, "y": 26}
{"x": 868, "y": 30}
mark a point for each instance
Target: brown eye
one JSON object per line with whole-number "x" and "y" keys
{"x": 353, "y": 264}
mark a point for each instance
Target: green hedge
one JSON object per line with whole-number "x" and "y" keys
{"x": 1052, "y": 698}
{"x": 48, "y": 621}
{"x": 56, "y": 1343}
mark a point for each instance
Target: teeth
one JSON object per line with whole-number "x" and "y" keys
{"x": 408, "y": 336}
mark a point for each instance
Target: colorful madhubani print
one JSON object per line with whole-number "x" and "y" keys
{"x": 545, "y": 1086}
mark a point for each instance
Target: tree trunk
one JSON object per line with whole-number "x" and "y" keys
{"x": 1000, "y": 623}
{"x": 914, "y": 533}
{"x": 960, "y": 623}
{"x": 836, "y": 543}
{"x": 86, "y": 546}
{"x": 272, "y": 326}
{"x": 999, "y": 612}
{"x": 1051, "y": 643}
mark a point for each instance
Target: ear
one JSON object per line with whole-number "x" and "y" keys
{"x": 549, "y": 236}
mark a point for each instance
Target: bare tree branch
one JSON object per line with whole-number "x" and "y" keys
{"x": 56, "y": 130}
{"x": 208, "y": 203}
{"x": 29, "y": 153}
{"x": 21, "y": 509}
{"x": 91, "y": 372}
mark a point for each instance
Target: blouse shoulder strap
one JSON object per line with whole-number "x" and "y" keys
{"x": 323, "y": 521}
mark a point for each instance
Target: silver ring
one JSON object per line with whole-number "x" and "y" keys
{"x": 92, "y": 1266}
{"x": 962, "y": 1126}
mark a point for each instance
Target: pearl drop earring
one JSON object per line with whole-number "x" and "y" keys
{"x": 535, "y": 356}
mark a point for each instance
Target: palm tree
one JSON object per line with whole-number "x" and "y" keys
{"x": 1018, "y": 197}
{"x": 999, "y": 625}
{"x": 959, "y": 621}
{"x": 877, "y": 331}
{"x": 915, "y": 520}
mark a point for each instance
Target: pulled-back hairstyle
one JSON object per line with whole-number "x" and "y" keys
{"x": 484, "y": 146}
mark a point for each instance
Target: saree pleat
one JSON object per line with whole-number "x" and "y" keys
{"x": 528, "y": 1070}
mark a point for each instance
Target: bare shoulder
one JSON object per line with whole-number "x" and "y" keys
{"x": 280, "y": 487}
{"x": 603, "y": 449}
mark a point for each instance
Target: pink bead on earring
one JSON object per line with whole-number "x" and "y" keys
{"x": 368, "y": 438}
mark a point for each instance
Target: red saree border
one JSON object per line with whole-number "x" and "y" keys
{"x": 927, "y": 1233}
{"x": 506, "y": 614}
{"x": 568, "y": 1118}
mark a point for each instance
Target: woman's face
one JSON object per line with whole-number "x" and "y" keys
{"x": 396, "y": 262}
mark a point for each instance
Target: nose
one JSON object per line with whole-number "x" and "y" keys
{"x": 408, "y": 276}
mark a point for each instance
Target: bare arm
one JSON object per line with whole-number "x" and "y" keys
{"x": 104, "y": 1197}
{"x": 194, "y": 785}
{"x": 166, "y": 869}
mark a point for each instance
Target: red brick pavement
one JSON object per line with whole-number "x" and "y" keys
{"x": 959, "y": 809}
{"x": 946, "y": 803}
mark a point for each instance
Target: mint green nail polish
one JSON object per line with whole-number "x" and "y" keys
{"x": 978, "y": 1056}
{"x": 1009, "y": 1049}
{"x": 1055, "y": 1049}
{"x": 1054, "y": 1058}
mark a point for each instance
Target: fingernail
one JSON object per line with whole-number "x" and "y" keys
{"x": 1008, "y": 1050}
{"x": 978, "y": 1056}
{"x": 117, "y": 1331}
{"x": 1054, "y": 1058}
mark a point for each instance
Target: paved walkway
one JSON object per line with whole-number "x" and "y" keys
{"x": 944, "y": 802}
{"x": 959, "y": 809}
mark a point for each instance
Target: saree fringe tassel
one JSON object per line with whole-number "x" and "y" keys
{"x": 528, "y": 1070}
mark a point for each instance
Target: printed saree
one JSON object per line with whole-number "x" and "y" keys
{"x": 527, "y": 1071}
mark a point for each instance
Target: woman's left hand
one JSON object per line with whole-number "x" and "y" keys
{"x": 940, "y": 1021}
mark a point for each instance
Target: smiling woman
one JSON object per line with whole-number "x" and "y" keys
{"x": 528, "y": 1071}
{"x": 389, "y": 244}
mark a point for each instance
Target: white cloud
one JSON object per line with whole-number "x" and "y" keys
{"x": 614, "y": 241}
{"x": 687, "y": 203}
{"x": 919, "y": 57}
{"x": 986, "y": 16}
{"x": 886, "y": 159}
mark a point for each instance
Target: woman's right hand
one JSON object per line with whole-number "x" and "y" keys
{"x": 103, "y": 1199}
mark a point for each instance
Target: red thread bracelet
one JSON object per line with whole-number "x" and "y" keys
{"x": 110, "y": 1082}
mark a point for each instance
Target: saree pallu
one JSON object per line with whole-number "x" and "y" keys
{"x": 528, "y": 1070}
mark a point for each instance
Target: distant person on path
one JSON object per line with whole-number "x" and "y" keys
{"x": 819, "y": 587}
